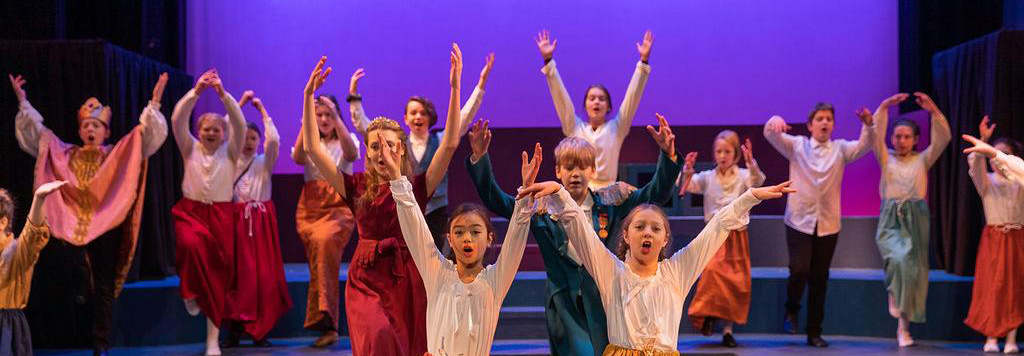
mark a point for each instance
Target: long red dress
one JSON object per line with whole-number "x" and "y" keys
{"x": 385, "y": 302}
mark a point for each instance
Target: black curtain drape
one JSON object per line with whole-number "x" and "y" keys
{"x": 984, "y": 76}
{"x": 60, "y": 76}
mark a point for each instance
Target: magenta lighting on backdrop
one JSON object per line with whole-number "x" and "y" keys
{"x": 713, "y": 62}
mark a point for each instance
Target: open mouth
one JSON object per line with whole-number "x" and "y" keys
{"x": 645, "y": 247}
{"x": 467, "y": 251}
{"x": 91, "y": 138}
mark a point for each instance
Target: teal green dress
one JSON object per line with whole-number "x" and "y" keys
{"x": 575, "y": 317}
{"x": 902, "y": 239}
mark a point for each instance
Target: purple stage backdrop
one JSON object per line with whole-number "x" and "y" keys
{"x": 713, "y": 62}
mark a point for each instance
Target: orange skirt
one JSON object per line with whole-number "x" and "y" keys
{"x": 997, "y": 301}
{"x": 325, "y": 224}
{"x": 723, "y": 290}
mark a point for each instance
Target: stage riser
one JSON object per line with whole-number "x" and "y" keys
{"x": 855, "y": 306}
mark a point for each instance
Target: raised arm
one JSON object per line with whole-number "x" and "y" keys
{"x": 659, "y": 190}
{"x": 476, "y": 98}
{"x": 28, "y": 122}
{"x": 563, "y": 103}
{"x": 864, "y": 144}
{"x": 940, "y": 132}
{"x": 235, "y": 118}
{"x": 450, "y": 140}
{"x": 881, "y": 121}
{"x": 756, "y": 176}
{"x": 686, "y": 264}
{"x": 637, "y": 83}
{"x": 311, "y": 135}
{"x": 775, "y": 132}
{"x": 35, "y": 234}
{"x": 349, "y": 150}
{"x": 271, "y": 138}
{"x": 1012, "y": 167}
{"x": 478, "y": 165}
{"x": 689, "y": 180}
{"x": 152, "y": 121}
{"x": 597, "y": 258}
{"x": 298, "y": 152}
{"x": 429, "y": 261}
{"x": 182, "y": 115}
{"x": 355, "y": 103}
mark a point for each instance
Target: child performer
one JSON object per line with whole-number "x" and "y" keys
{"x": 643, "y": 290}
{"x": 104, "y": 234}
{"x": 204, "y": 217}
{"x": 385, "y": 302}
{"x": 575, "y": 318}
{"x": 17, "y": 261}
{"x": 998, "y": 290}
{"x": 902, "y": 234}
{"x": 420, "y": 117}
{"x": 323, "y": 220}
{"x": 463, "y": 298}
{"x": 259, "y": 295}
{"x": 813, "y": 219}
{"x": 1010, "y": 166}
{"x": 723, "y": 291}
{"x": 604, "y": 133}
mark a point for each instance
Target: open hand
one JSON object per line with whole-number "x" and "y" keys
{"x": 479, "y": 138}
{"x": 18, "y": 83}
{"x": 772, "y": 192}
{"x": 317, "y": 77}
{"x": 980, "y": 147}
{"x": 776, "y": 124}
{"x": 545, "y": 44}
{"x": 353, "y": 83}
{"x": 894, "y": 100}
{"x": 456, "y": 72}
{"x": 986, "y": 128}
{"x": 748, "y": 153}
{"x": 158, "y": 89}
{"x": 865, "y": 116}
{"x": 926, "y": 102}
{"x": 48, "y": 188}
{"x": 645, "y": 47}
{"x": 540, "y": 190}
{"x": 391, "y": 158}
{"x": 531, "y": 167}
{"x": 486, "y": 72}
{"x": 664, "y": 137}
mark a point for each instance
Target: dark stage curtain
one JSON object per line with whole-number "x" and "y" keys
{"x": 61, "y": 75}
{"x": 981, "y": 77}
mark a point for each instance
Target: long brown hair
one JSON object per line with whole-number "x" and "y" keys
{"x": 623, "y": 248}
{"x": 374, "y": 180}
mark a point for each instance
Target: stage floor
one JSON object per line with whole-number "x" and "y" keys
{"x": 750, "y": 344}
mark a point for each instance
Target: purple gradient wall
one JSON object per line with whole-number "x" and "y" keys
{"x": 713, "y": 62}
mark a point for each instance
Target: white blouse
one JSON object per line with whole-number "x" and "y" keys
{"x": 255, "y": 183}
{"x": 1012, "y": 167}
{"x": 607, "y": 138}
{"x": 644, "y": 312}
{"x": 906, "y": 178}
{"x": 461, "y": 317}
{"x": 29, "y": 128}
{"x": 719, "y": 190}
{"x": 1000, "y": 197}
{"x": 816, "y": 169}
{"x": 209, "y": 178}
{"x": 311, "y": 173}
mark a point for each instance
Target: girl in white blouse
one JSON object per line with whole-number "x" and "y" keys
{"x": 903, "y": 220}
{"x": 463, "y": 297}
{"x": 723, "y": 291}
{"x": 642, "y": 290}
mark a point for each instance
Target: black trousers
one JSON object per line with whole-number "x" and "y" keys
{"x": 437, "y": 222}
{"x": 97, "y": 263}
{"x": 809, "y": 259}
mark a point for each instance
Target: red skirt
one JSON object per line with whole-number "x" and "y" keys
{"x": 204, "y": 253}
{"x": 259, "y": 294}
{"x": 723, "y": 290}
{"x": 997, "y": 298}
{"x": 385, "y": 303}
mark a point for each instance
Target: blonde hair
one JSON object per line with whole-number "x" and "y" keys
{"x": 575, "y": 151}
{"x": 217, "y": 118}
{"x": 623, "y": 248}
{"x": 733, "y": 139}
{"x": 374, "y": 180}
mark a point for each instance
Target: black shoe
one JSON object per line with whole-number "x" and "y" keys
{"x": 789, "y": 324}
{"x": 99, "y": 352}
{"x": 728, "y": 340}
{"x": 816, "y": 341}
{"x": 261, "y": 343}
{"x": 229, "y": 341}
{"x": 708, "y": 327}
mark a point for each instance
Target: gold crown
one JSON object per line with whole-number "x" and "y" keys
{"x": 93, "y": 109}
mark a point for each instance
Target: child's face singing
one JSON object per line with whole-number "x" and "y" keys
{"x": 646, "y": 235}
{"x": 469, "y": 239}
